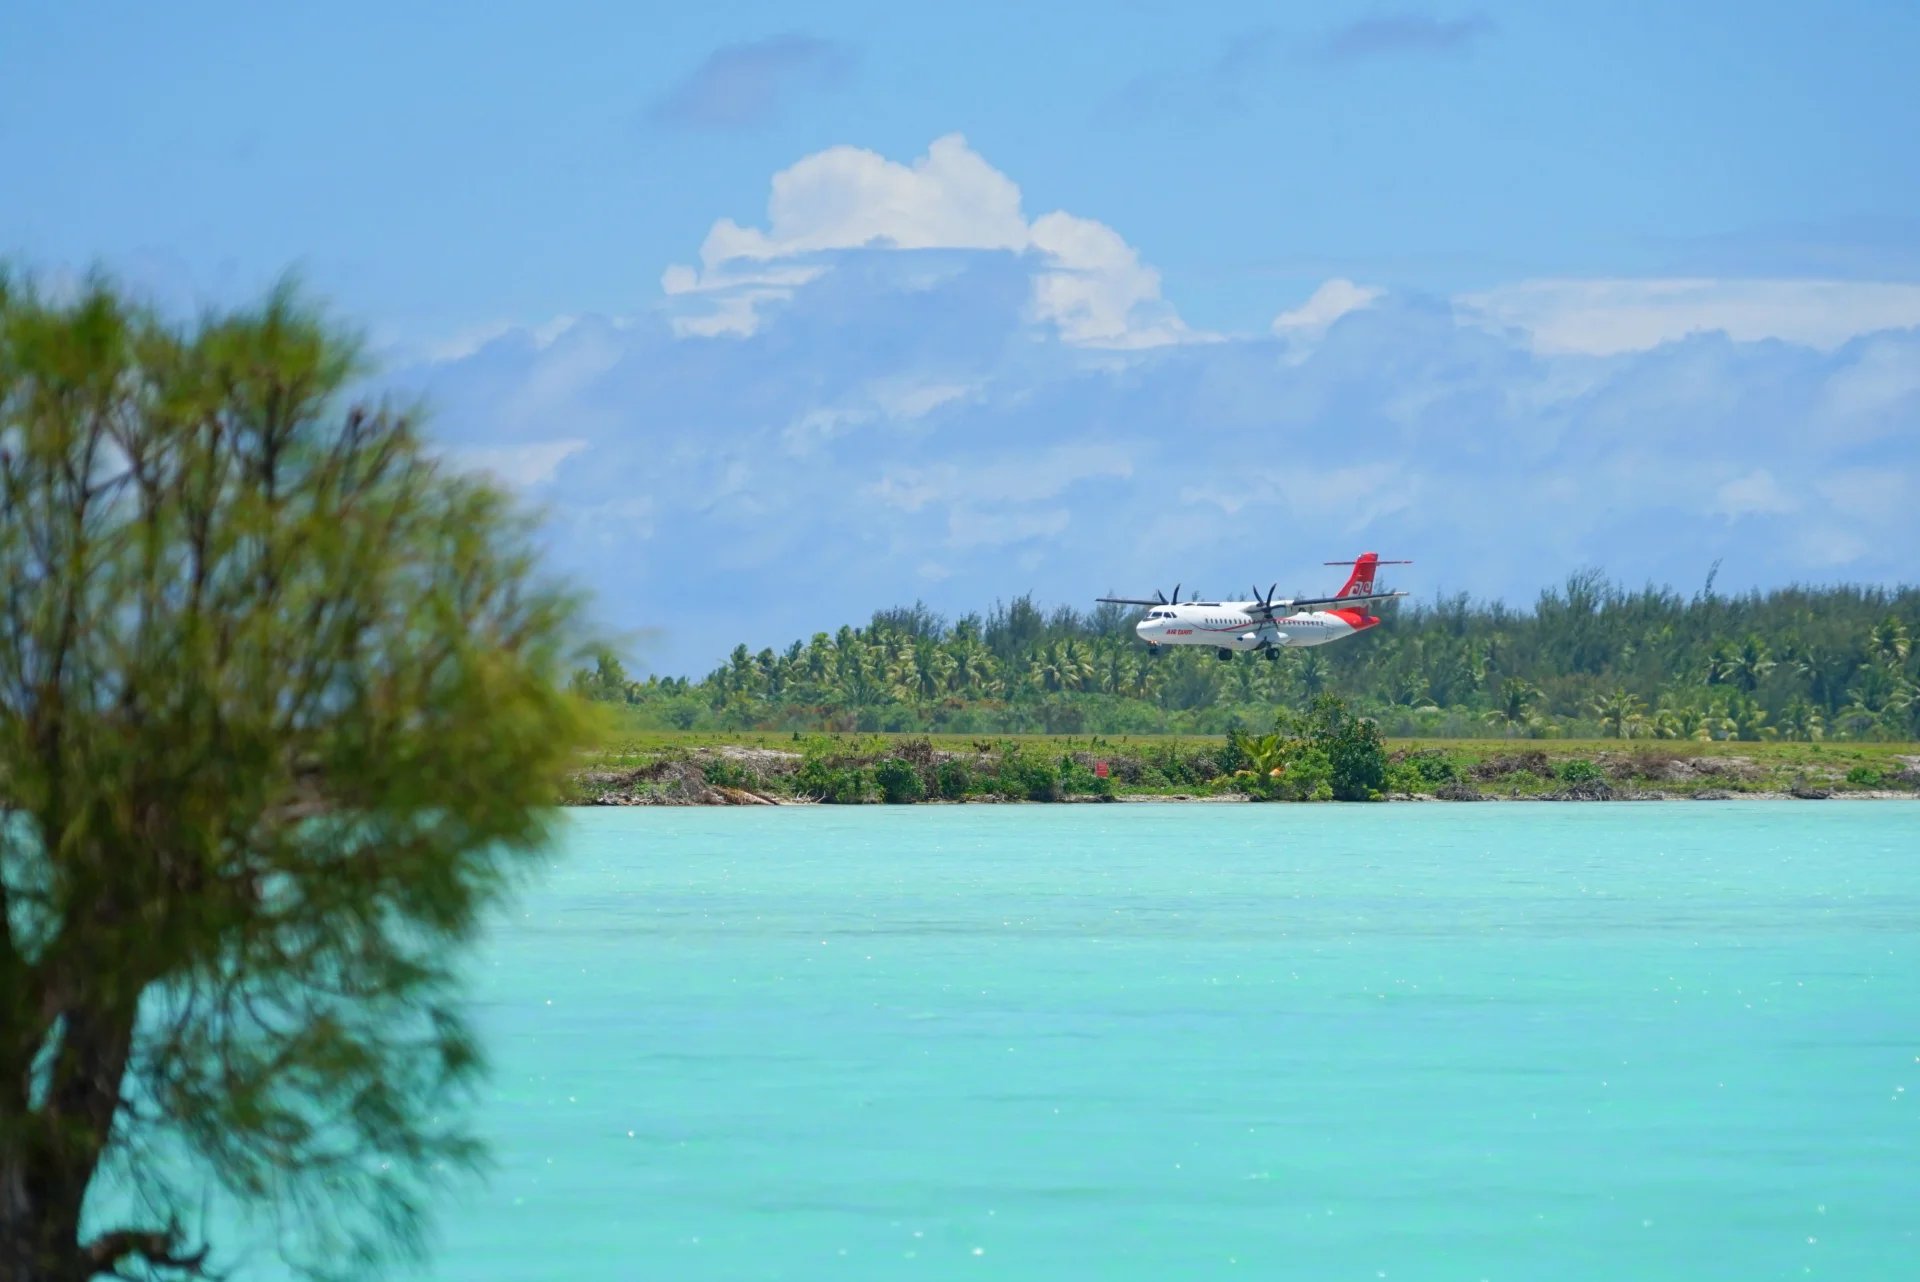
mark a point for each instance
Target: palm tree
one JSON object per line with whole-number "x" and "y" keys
{"x": 1311, "y": 674}
{"x": 741, "y": 676}
{"x": 1743, "y": 666}
{"x": 1145, "y": 682}
{"x": 1620, "y": 713}
{"x": 1881, "y": 701}
{"x": 1743, "y": 718}
{"x": 1825, "y": 670}
{"x": 1409, "y": 689}
{"x": 1801, "y": 720}
{"x": 917, "y": 670}
{"x": 1458, "y": 673}
{"x": 1113, "y": 667}
{"x": 1266, "y": 756}
{"x": 1056, "y": 668}
{"x": 1880, "y": 689}
{"x": 819, "y": 658}
{"x": 1888, "y": 643}
{"x": 973, "y": 668}
{"x": 860, "y": 670}
{"x": 1077, "y": 662}
{"x": 1514, "y": 711}
{"x": 1679, "y": 716}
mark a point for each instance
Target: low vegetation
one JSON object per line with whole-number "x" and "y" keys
{"x": 1325, "y": 754}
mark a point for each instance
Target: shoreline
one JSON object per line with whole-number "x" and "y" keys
{"x": 914, "y": 772}
{"x": 1228, "y": 799}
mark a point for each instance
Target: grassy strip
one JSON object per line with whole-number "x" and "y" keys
{"x": 718, "y": 768}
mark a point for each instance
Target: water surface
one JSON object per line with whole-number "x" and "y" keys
{"x": 1498, "y": 1042}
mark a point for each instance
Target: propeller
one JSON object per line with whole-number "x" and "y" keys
{"x": 1159, "y": 598}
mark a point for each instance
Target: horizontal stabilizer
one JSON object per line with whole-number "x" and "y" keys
{"x": 1310, "y": 603}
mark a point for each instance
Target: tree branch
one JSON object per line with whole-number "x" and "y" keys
{"x": 157, "y": 1248}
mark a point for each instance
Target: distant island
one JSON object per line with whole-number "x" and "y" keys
{"x": 1588, "y": 660}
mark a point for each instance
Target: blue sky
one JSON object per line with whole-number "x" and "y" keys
{"x": 787, "y": 313}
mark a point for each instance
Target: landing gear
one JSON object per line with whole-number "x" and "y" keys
{"x": 1153, "y": 651}
{"x": 1224, "y": 655}
{"x": 1270, "y": 654}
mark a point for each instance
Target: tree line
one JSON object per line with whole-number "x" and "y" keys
{"x": 1590, "y": 658}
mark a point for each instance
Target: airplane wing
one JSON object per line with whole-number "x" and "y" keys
{"x": 1125, "y": 600}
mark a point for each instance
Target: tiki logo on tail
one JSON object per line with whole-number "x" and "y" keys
{"x": 1360, "y": 582}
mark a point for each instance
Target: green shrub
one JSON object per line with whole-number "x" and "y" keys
{"x": 722, "y": 773}
{"x": 1076, "y": 778}
{"x": 1028, "y": 778}
{"x": 1356, "y": 755}
{"x": 1866, "y": 777}
{"x": 1186, "y": 767}
{"x": 1580, "y": 770}
{"x": 1306, "y": 776}
{"x": 954, "y": 780}
{"x": 1402, "y": 777}
{"x": 1432, "y": 767}
{"x": 834, "y": 784}
{"x": 899, "y": 782}
{"x": 1422, "y": 772}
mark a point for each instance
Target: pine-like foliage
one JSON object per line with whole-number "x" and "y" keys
{"x": 278, "y": 718}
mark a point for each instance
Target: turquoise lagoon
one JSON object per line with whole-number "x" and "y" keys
{"x": 1509, "y": 1041}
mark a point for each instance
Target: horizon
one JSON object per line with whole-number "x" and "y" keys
{"x": 780, "y": 326}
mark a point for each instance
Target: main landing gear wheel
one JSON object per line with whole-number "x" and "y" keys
{"x": 1270, "y": 654}
{"x": 1224, "y": 655}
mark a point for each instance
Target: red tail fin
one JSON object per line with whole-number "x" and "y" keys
{"x": 1361, "y": 581}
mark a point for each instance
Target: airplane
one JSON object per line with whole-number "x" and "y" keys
{"x": 1266, "y": 624}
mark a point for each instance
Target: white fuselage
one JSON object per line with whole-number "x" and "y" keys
{"x": 1235, "y": 625}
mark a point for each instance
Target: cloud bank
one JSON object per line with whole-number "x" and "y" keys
{"x": 900, "y": 385}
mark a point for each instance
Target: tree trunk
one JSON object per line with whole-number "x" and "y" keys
{"x": 49, "y": 1154}
{"x": 39, "y": 1223}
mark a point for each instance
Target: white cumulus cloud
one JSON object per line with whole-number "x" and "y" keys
{"x": 1090, "y": 284}
{"x": 846, "y": 197}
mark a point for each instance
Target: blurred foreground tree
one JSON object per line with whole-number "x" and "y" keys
{"x": 279, "y": 715}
